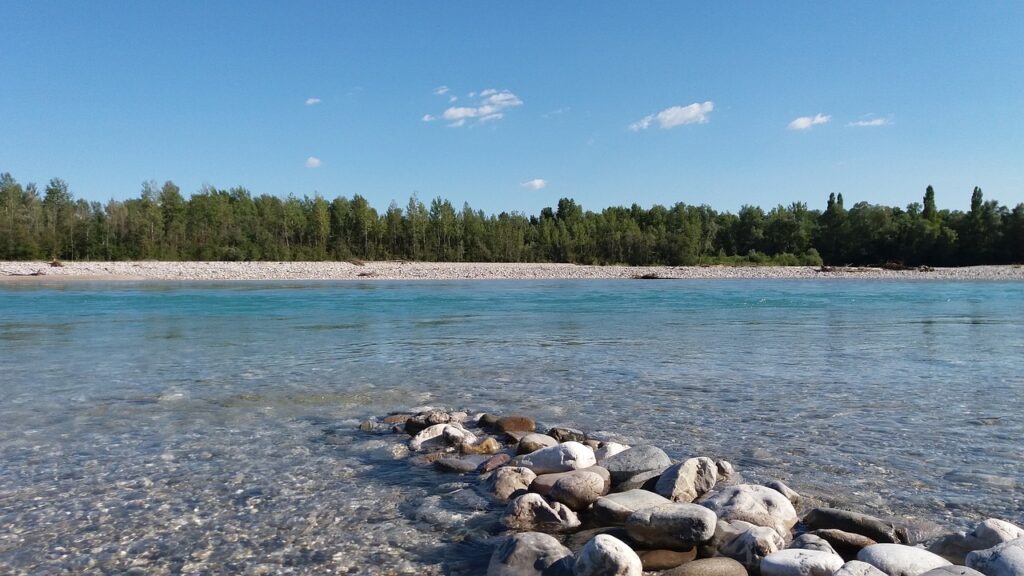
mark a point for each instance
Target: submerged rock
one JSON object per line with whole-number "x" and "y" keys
{"x": 532, "y": 512}
{"x": 606, "y": 555}
{"x": 901, "y": 560}
{"x": 758, "y": 505}
{"x": 798, "y": 562}
{"x": 672, "y": 526}
{"x": 531, "y": 554}
{"x": 686, "y": 481}
{"x": 874, "y": 528}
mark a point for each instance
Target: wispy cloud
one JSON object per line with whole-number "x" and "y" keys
{"x": 312, "y": 162}
{"x": 870, "y": 120}
{"x": 808, "y": 122}
{"x": 440, "y": 90}
{"x": 491, "y": 105}
{"x": 535, "y": 184}
{"x": 696, "y": 113}
{"x": 312, "y": 101}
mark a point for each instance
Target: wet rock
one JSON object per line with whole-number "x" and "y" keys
{"x": 953, "y": 571}
{"x": 901, "y": 560}
{"x": 560, "y": 458}
{"x": 494, "y": 462}
{"x": 780, "y": 487}
{"x": 609, "y": 449}
{"x": 686, "y": 481}
{"x": 486, "y": 446}
{"x": 846, "y": 544}
{"x": 989, "y": 533}
{"x": 709, "y": 567}
{"x": 615, "y": 509}
{"x": 397, "y": 418}
{"x": 487, "y": 421}
{"x": 533, "y": 442}
{"x": 758, "y": 505}
{"x": 874, "y": 528}
{"x": 515, "y": 424}
{"x": 797, "y": 562}
{"x": 543, "y": 483}
{"x": 440, "y": 436}
{"x": 532, "y": 512}
{"x": 636, "y": 460}
{"x": 858, "y": 568}
{"x": 563, "y": 434}
{"x": 725, "y": 468}
{"x": 579, "y": 489}
{"x": 420, "y": 422}
{"x": 657, "y": 560}
{"x": 751, "y": 545}
{"x": 812, "y": 542}
{"x": 509, "y": 481}
{"x": 606, "y": 555}
{"x": 531, "y": 554}
{"x": 458, "y": 465}
{"x": 672, "y": 526}
{"x": 1006, "y": 559}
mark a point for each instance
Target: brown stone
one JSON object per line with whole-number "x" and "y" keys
{"x": 396, "y": 418}
{"x": 655, "y": 560}
{"x": 486, "y": 446}
{"x": 516, "y": 424}
{"x": 709, "y": 567}
{"x": 495, "y": 462}
{"x": 846, "y": 544}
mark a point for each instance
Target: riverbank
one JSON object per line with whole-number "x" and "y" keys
{"x": 396, "y": 270}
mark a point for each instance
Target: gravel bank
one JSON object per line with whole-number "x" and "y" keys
{"x": 149, "y": 270}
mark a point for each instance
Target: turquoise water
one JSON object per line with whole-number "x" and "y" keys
{"x": 171, "y": 426}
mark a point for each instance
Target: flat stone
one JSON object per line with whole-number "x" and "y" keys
{"x": 515, "y": 424}
{"x": 858, "y": 568}
{"x": 657, "y": 560}
{"x": 758, "y": 505}
{"x": 509, "y": 481}
{"x": 532, "y": 512}
{"x": 531, "y": 554}
{"x": 463, "y": 465}
{"x": 1006, "y": 559}
{"x": 874, "y": 528}
{"x": 606, "y": 555}
{"x": 635, "y": 460}
{"x": 686, "y": 481}
{"x": 563, "y": 434}
{"x": 709, "y": 567}
{"x": 901, "y": 560}
{"x": 846, "y": 544}
{"x": 672, "y": 526}
{"x": 615, "y": 509}
{"x": 797, "y": 562}
{"x": 560, "y": 458}
{"x": 533, "y": 442}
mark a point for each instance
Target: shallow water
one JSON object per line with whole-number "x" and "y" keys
{"x": 210, "y": 428}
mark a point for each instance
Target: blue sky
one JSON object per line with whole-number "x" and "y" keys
{"x": 510, "y": 106}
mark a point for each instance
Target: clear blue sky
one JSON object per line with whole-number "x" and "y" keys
{"x": 606, "y": 102}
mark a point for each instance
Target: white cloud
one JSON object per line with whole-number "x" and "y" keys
{"x": 312, "y": 101}
{"x": 807, "y": 122}
{"x": 452, "y": 99}
{"x": 696, "y": 113}
{"x": 312, "y": 162}
{"x": 535, "y": 184}
{"x": 429, "y": 117}
{"x": 870, "y": 120}
{"x": 440, "y": 90}
{"x": 490, "y": 106}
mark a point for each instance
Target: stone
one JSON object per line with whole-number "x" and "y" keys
{"x": 751, "y": 545}
{"x": 1006, "y": 559}
{"x": 615, "y": 509}
{"x": 533, "y": 442}
{"x": 531, "y": 554}
{"x": 579, "y": 489}
{"x": 424, "y": 420}
{"x": 858, "y": 568}
{"x": 458, "y": 465}
{"x": 797, "y": 562}
{"x": 953, "y": 571}
{"x": 846, "y": 544}
{"x": 486, "y": 446}
{"x": 672, "y": 526}
{"x": 559, "y": 458}
{"x": 709, "y": 567}
{"x": 494, "y": 462}
{"x": 509, "y": 481}
{"x": 607, "y": 449}
{"x": 544, "y": 482}
{"x": 515, "y": 424}
{"x": 635, "y": 460}
{"x": 487, "y": 421}
{"x": 758, "y": 505}
{"x": 532, "y": 512}
{"x": 563, "y": 434}
{"x": 642, "y": 481}
{"x": 812, "y": 542}
{"x": 989, "y": 533}
{"x": 874, "y": 528}
{"x": 725, "y": 468}
{"x": 396, "y": 418}
{"x": 657, "y": 560}
{"x": 901, "y": 560}
{"x": 780, "y": 487}
{"x": 606, "y": 555}
{"x": 577, "y": 540}
{"x": 440, "y": 436}
{"x": 686, "y": 481}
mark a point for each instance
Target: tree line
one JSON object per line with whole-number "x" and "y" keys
{"x": 233, "y": 224}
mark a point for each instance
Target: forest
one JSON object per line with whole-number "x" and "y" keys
{"x": 233, "y": 224}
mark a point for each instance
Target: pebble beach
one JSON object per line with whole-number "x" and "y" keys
{"x": 396, "y": 270}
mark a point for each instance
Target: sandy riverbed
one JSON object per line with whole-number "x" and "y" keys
{"x": 390, "y": 270}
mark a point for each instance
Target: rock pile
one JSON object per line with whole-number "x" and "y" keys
{"x": 632, "y": 510}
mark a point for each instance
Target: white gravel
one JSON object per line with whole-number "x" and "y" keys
{"x": 393, "y": 270}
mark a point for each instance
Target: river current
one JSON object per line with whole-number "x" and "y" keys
{"x": 213, "y": 428}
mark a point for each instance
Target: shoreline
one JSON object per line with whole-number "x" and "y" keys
{"x": 43, "y": 272}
